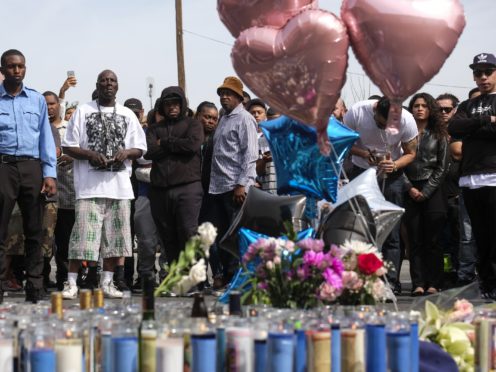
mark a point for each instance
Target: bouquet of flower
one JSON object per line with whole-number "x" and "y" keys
{"x": 286, "y": 274}
{"x": 452, "y": 331}
{"x": 190, "y": 269}
{"x": 362, "y": 278}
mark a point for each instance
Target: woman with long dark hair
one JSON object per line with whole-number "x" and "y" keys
{"x": 425, "y": 202}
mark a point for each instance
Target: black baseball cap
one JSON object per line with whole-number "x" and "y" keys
{"x": 255, "y": 102}
{"x": 134, "y": 104}
{"x": 483, "y": 59}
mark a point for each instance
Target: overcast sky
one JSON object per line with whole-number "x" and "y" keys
{"x": 136, "y": 39}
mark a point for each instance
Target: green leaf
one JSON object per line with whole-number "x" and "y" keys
{"x": 431, "y": 310}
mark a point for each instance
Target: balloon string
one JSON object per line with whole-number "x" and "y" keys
{"x": 355, "y": 207}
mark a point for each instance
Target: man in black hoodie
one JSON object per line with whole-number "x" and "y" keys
{"x": 174, "y": 146}
{"x": 475, "y": 125}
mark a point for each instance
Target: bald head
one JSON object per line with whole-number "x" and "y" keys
{"x": 107, "y": 87}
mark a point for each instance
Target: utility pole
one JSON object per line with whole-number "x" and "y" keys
{"x": 179, "y": 45}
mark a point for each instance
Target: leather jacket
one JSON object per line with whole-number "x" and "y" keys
{"x": 430, "y": 163}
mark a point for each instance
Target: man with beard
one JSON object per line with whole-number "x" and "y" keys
{"x": 174, "y": 146}
{"x": 103, "y": 137}
{"x": 27, "y": 165}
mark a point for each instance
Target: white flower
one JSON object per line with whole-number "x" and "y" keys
{"x": 197, "y": 274}
{"x": 183, "y": 286}
{"x": 207, "y": 233}
{"x": 269, "y": 265}
{"x": 359, "y": 247}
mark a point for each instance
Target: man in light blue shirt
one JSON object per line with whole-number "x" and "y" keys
{"x": 27, "y": 165}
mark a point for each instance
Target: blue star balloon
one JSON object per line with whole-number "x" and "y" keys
{"x": 247, "y": 237}
{"x": 300, "y": 167}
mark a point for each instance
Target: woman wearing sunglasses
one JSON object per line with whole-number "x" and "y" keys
{"x": 425, "y": 202}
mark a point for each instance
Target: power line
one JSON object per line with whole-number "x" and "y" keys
{"x": 348, "y": 72}
{"x": 207, "y": 38}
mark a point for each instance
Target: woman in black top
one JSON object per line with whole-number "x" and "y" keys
{"x": 425, "y": 201}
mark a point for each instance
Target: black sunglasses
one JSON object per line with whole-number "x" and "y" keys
{"x": 487, "y": 71}
{"x": 446, "y": 110}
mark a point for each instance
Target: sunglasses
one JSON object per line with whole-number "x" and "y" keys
{"x": 446, "y": 110}
{"x": 487, "y": 71}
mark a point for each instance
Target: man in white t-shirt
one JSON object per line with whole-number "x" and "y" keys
{"x": 103, "y": 137}
{"x": 390, "y": 153}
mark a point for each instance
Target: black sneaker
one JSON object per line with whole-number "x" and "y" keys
{"x": 137, "y": 286}
{"x": 34, "y": 294}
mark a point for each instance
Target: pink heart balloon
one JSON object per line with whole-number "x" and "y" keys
{"x": 300, "y": 69}
{"x": 239, "y": 15}
{"x": 402, "y": 44}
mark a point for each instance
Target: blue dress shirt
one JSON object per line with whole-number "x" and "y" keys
{"x": 25, "y": 129}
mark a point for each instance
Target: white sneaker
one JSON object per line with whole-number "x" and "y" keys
{"x": 70, "y": 291}
{"x": 110, "y": 291}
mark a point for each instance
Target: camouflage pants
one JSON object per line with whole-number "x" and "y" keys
{"x": 15, "y": 239}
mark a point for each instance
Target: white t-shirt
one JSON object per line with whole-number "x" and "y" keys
{"x": 360, "y": 118}
{"x": 86, "y": 131}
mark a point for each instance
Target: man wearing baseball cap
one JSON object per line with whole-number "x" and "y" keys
{"x": 475, "y": 124}
{"x": 135, "y": 106}
{"x": 235, "y": 152}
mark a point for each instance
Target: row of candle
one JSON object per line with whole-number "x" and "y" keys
{"x": 116, "y": 339}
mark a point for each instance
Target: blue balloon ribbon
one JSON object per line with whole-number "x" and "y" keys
{"x": 300, "y": 167}
{"x": 246, "y": 238}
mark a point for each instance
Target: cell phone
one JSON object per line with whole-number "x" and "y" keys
{"x": 71, "y": 74}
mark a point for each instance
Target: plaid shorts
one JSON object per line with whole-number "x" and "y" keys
{"x": 101, "y": 224}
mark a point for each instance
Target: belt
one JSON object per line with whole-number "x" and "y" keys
{"x": 14, "y": 159}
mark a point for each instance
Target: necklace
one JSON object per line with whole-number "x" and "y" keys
{"x": 106, "y": 126}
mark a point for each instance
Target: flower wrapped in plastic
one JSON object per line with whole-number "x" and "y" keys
{"x": 292, "y": 274}
{"x": 363, "y": 275}
{"x": 452, "y": 330}
{"x": 190, "y": 269}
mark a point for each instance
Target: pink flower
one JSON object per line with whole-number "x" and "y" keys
{"x": 277, "y": 260}
{"x": 352, "y": 281}
{"x": 290, "y": 246}
{"x": 327, "y": 292}
{"x": 336, "y": 251}
{"x": 378, "y": 289}
{"x": 309, "y": 244}
{"x": 332, "y": 278}
{"x": 311, "y": 258}
{"x": 463, "y": 311}
{"x": 269, "y": 265}
{"x": 301, "y": 273}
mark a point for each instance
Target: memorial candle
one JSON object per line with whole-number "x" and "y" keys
{"x": 170, "y": 354}
{"x": 398, "y": 342}
{"x": 375, "y": 344}
{"x": 280, "y": 349}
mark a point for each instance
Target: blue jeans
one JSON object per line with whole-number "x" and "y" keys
{"x": 467, "y": 254}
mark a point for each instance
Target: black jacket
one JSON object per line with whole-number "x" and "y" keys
{"x": 472, "y": 125}
{"x": 430, "y": 163}
{"x": 177, "y": 159}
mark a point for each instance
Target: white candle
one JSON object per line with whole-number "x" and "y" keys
{"x": 6, "y": 355}
{"x": 240, "y": 353}
{"x": 69, "y": 355}
{"x": 170, "y": 354}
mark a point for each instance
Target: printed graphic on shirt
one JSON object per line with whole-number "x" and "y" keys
{"x": 482, "y": 110}
{"x": 106, "y": 137}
